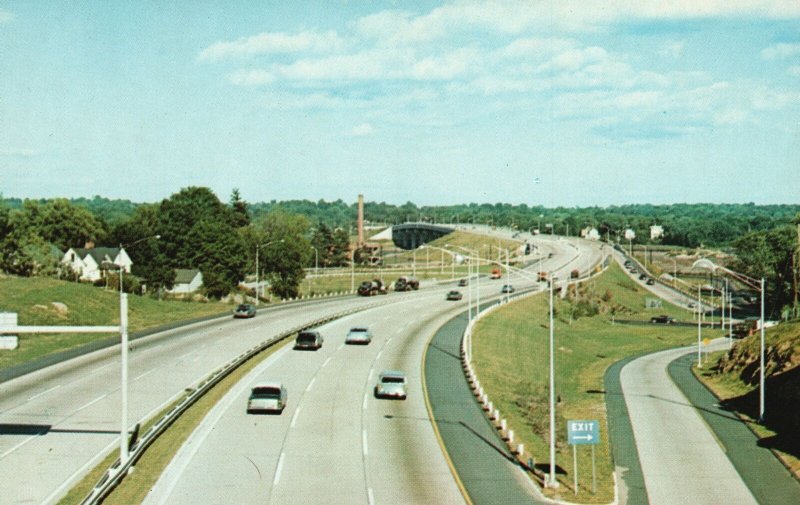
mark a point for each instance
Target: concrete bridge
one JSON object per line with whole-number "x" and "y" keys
{"x": 412, "y": 235}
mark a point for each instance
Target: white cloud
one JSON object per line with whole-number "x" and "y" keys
{"x": 5, "y": 16}
{"x": 18, "y": 152}
{"x": 781, "y": 51}
{"x": 362, "y": 130}
{"x": 254, "y": 77}
{"x": 672, "y": 48}
{"x": 730, "y": 117}
{"x": 273, "y": 43}
{"x": 794, "y": 70}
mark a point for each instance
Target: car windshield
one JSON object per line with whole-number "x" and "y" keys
{"x": 306, "y": 337}
{"x": 242, "y": 308}
{"x": 266, "y": 393}
{"x": 392, "y": 380}
{"x": 358, "y": 330}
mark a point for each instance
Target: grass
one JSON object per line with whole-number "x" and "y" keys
{"x": 511, "y": 349}
{"x": 149, "y": 468}
{"x": 32, "y": 299}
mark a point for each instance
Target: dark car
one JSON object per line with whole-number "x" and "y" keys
{"x": 454, "y": 295}
{"x": 651, "y": 281}
{"x": 462, "y": 282}
{"x": 507, "y": 288}
{"x": 244, "y": 310}
{"x": 308, "y": 340}
{"x": 662, "y": 319}
{"x": 642, "y": 277}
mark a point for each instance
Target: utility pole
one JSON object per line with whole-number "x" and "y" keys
{"x": 796, "y": 270}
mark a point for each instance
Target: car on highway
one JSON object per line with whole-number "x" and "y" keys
{"x": 358, "y": 335}
{"x": 651, "y": 281}
{"x": 244, "y": 310}
{"x": 391, "y": 384}
{"x": 454, "y": 295}
{"x": 308, "y": 340}
{"x": 642, "y": 277}
{"x": 662, "y": 319}
{"x": 507, "y": 288}
{"x": 462, "y": 282}
{"x": 269, "y": 397}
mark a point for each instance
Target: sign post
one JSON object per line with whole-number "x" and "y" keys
{"x": 582, "y": 432}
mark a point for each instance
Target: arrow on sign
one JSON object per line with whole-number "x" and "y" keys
{"x": 588, "y": 438}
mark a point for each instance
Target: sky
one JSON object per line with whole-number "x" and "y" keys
{"x": 554, "y": 103}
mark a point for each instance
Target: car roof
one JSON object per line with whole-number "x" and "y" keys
{"x": 392, "y": 373}
{"x": 268, "y": 384}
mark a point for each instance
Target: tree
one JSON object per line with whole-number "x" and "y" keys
{"x": 284, "y": 261}
{"x": 219, "y": 252}
{"x": 239, "y": 215}
{"x": 65, "y": 225}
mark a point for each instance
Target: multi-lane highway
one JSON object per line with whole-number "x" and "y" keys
{"x": 57, "y": 423}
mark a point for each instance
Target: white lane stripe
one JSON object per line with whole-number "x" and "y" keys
{"x": 91, "y": 403}
{"x": 370, "y": 496}
{"x": 340, "y": 347}
{"x": 43, "y": 392}
{"x": 294, "y": 417}
{"x": 308, "y": 388}
{"x": 364, "y": 405}
{"x": 364, "y": 441}
{"x": 144, "y": 374}
{"x": 326, "y": 362}
{"x": 379, "y": 355}
{"x": 369, "y": 379}
{"x": 278, "y": 470}
{"x": 20, "y": 445}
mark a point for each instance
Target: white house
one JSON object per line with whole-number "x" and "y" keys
{"x": 91, "y": 263}
{"x": 590, "y": 233}
{"x": 186, "y": 281}
{"x": 656, "y": 231}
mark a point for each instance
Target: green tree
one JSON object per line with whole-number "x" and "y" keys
{"x": 239, "y": 214}
{"x": 283, "y": 261}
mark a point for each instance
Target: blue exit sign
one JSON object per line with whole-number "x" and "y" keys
{"x": 583, "y": 432}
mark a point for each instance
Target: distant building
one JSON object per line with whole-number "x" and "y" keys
{"x": 93, "y": 263}
{"x": 590, "y": 233}
{"x": 630, "y": 234}
{"x": 656, "y": 232}
{"x": 187, "y": 281}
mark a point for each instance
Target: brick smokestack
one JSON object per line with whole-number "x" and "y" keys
{"x": 360, "y": 220}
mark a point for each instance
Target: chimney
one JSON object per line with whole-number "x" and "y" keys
{"x": 89, "y": 244}
{"x": 360, "y": 220}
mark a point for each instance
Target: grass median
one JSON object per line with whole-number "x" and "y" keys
{"x": 511, "y": 357}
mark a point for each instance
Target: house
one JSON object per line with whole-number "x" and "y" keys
{"x": 590, "y": 233}
{"x": 91, "y": 263}
{"x": 656, "y": 231}
{"x": 186, "y": 281}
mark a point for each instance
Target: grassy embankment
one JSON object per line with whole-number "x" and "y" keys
{"x": 735, "y": 377}
{"x": 32, "y": 299}
{"x": 511, "y": 349}
{"x": 430, "y": 264}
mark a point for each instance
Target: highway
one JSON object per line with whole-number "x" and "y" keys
{"x": 56, "y": 424}
{"x": 681, "y": 460}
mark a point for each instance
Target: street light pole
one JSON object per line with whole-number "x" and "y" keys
{"x": 699, "y": 329}
{"x": 761, "y": 406}
{"x": 258, "y": 284}
{"x": 552, "y": 483}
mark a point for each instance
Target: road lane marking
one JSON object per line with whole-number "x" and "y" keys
{"x": 326, "y": 362}
{"x": 370, "y": 496}
{"x": 308, "y": 388}
{"x": 144, "y": 374}
{"x": 340, "y": 347}
{"x": 379, "y": 355}
{"x": 21, "y": 444}
{"x": 371, "y": 370}
{"x": 91, "y": 403}
{"x": 364, "y": 405}
{"x": 278, "y": 470}
{"x": 294, "y": 417}
{"x": 44, "y": 392}
{"x": 364, "y": 441}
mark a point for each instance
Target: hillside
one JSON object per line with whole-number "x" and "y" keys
{"x": 45, "y": 301}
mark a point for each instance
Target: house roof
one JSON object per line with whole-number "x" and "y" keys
{"x": 99, "y": 254}
{"x": 185, "y": 276}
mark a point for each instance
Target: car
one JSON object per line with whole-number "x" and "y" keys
{"x": 308, "y": 340}
{"x": 662, "y": 319}
{"x": 268, "y": 397}
{"x": 454, "y": 295}
{"x": 642, "y": 277}
{"x": 507, "y": 288}
{"x": 244, "y": 310}
{"x": 651, "y": 281}
{"x": 462, "y": 282}
{"x": 634, "y": 271}
{"x": 358, "y": 335}
{"x": 391, "y": 384}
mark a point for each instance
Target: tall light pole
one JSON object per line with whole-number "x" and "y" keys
{"x": 123, "y": 330}
{"x": 755, "y": 284}
{"x": 553, "y": 483}
{"x": 316, "y": 260}
{"x": 699, "y": 329}
{"x": 258, "y": 284}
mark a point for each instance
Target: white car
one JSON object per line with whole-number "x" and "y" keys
{"x": 391, "y": 384}
{"x": 358, "y": 335}
{"x": 267, "y": 397}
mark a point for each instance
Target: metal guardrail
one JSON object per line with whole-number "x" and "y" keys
{"x": 114, "y": 475}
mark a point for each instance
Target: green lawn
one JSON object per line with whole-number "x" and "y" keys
{"x": 511, "y": 349}
{"x": 32, "y": 299}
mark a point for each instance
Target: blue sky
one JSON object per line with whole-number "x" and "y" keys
{"x": 570, "y": 103}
